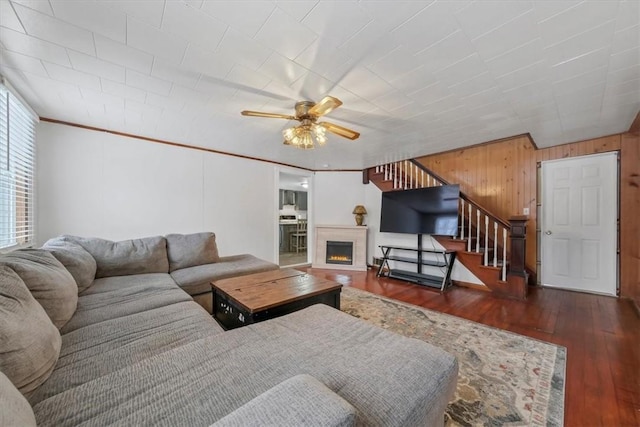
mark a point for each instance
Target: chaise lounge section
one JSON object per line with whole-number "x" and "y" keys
{"x": 135, "y": 349}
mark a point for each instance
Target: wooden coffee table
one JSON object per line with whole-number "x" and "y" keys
{"x": 241, "y": 301}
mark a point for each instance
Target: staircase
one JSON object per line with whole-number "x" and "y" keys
{"x": 482, "y": 243}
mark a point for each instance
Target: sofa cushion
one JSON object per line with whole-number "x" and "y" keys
{"x": 49, "y": 282}
{"x": 196, "y": 280}
{"x": 391, "y": 380}
{"x": 29, "y": 342}
{"x": 136, "y": 256}
{"x": 99, "y": 349}
{"x": 187, "y": 250}
{"x": 114, "y": 297}
{"x": 76, "y": 259}
{"x": 132, "y": 283}
{"x": 298, "y": 401}
{"x": 15, "y": 410}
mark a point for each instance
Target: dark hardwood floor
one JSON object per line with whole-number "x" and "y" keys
{"x": 601, "y": 334}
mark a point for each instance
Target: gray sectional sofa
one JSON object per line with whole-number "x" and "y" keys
{"x": 97, "y": 332}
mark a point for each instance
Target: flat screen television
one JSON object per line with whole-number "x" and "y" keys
{"x": 430, "y": 210}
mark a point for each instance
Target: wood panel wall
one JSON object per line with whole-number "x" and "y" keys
{"x": 502, "y": 177}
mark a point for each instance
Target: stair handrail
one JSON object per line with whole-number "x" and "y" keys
{"x": 504, "y": 223}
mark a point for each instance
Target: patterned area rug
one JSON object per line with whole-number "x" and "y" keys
{"x": 504, "y": 378}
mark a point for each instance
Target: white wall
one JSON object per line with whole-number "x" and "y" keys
{"x": 97, "y": 184}
{"x": 335, "y": 195}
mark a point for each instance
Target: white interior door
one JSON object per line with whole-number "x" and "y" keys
{"x": 579, "y": 215}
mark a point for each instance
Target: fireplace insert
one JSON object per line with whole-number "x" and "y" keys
{"x": 339, "y": 252}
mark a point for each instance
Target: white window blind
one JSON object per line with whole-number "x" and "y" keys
{"x": 17, "y": 161}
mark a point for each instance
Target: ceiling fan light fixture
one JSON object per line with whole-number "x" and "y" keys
{"x": 305, "y": 136}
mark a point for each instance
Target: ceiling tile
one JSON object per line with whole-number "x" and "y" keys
{"x": 480, "y": 17}
{"x": 576, "y": 66}
{"x": 624, "y": 74}
{"x": 515, "y": 59}
{"x": 191, "y": 24}
{"x": 576, "y": 20}
{"x": 475, "y": 84}
{"x": 8, "y": 17}
{"x": 428, "y": 27}
{"x": 69, "y": 75}
{"x": 313, "y": 87}
{"x": 289, "y": 43}
{"x": 92, "y": 65}
{"x": 529, "y": 74}
{"x": 517, "y": 32}
{"x": 150, "y": 39}
{"x": 588, "y": 79}
{"x": 21, "y": 62}
{"x": 123, "y": 91}
{"x": 39, "y": 5}
{"x": 243, "y": 50}
{"x": 580, "y": 100}
{"x": 397, "y": 63}
{"x": 324, "y": 57}
{"x": 414, "y": 80}
{"x": 336, "y": 21}
{"x": 56, "y": 31}
{"x": 148, "y": 83}
{"x": 282, "y": 69}
{"x": 369, "y": 44}
{"x": 165, "y": 70}
{"x": 389, "y": 15}
{"x": 146, "y": 11}
{"x": 165, "y": 102}
{"x": 626, "y": 39}
{"x": 431, "y": 93}
{"x": 365, "y": 83}
{"x": 245, "y": 16}
{"x": 447, "y": 51}
{"x": 213, "y": 64}
{"x": 247, "y": 78}
{"x": 99, "y": 97}
{"x": 465, "y": 69}
{"x": 392, "y": 101}
{"x": 546, "y": 9}
{"x": 297, "y": 9}
{"x": 596, "y": 38}
{"x": 93, "y": 16}
{"x": 121, "y": 54}
{"x": 628, "y": 13}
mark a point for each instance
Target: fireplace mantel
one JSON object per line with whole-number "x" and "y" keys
{"x": 341, "y": 233}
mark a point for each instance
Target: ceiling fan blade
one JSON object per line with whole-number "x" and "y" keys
{"x": 268, "y": 115}
{"x": 339, "y": 130}
{"x": 328, "y": 104}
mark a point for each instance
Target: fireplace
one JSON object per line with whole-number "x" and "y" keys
{"x": 340, "y": 247}
{"x": 339, "y": 252}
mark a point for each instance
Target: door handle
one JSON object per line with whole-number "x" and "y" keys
{"x": 548, "y": 232}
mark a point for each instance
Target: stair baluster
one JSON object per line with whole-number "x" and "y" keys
{"x": 486, "y": 240}
{"x": 504, "y": 254}
{"x": 477, "y": 230}
{"x": 462, "y": 219}
{"x": 469, "y": 240}
{"x": 495, "y": 243}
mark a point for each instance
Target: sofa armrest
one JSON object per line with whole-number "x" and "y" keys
{"x": 299, "y": 401}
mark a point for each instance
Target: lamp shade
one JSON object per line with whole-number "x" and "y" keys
{"x": 359, "y": 209}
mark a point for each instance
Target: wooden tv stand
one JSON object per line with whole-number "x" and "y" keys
{"x": 442, "y": 259}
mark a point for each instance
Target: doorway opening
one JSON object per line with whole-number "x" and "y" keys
{"x": 294, "y": 233}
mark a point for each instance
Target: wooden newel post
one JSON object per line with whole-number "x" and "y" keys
{"x": 518, "y": 249}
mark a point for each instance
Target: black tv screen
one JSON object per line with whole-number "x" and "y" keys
{"x": 430, "y": 210}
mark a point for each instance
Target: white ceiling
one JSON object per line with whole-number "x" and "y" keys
{"x": 416, "y": 77}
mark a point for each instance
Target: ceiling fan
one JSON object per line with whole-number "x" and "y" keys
{"x": 310, "y": 131}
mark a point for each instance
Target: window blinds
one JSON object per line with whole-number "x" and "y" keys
{"x": 17, "y": 161}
